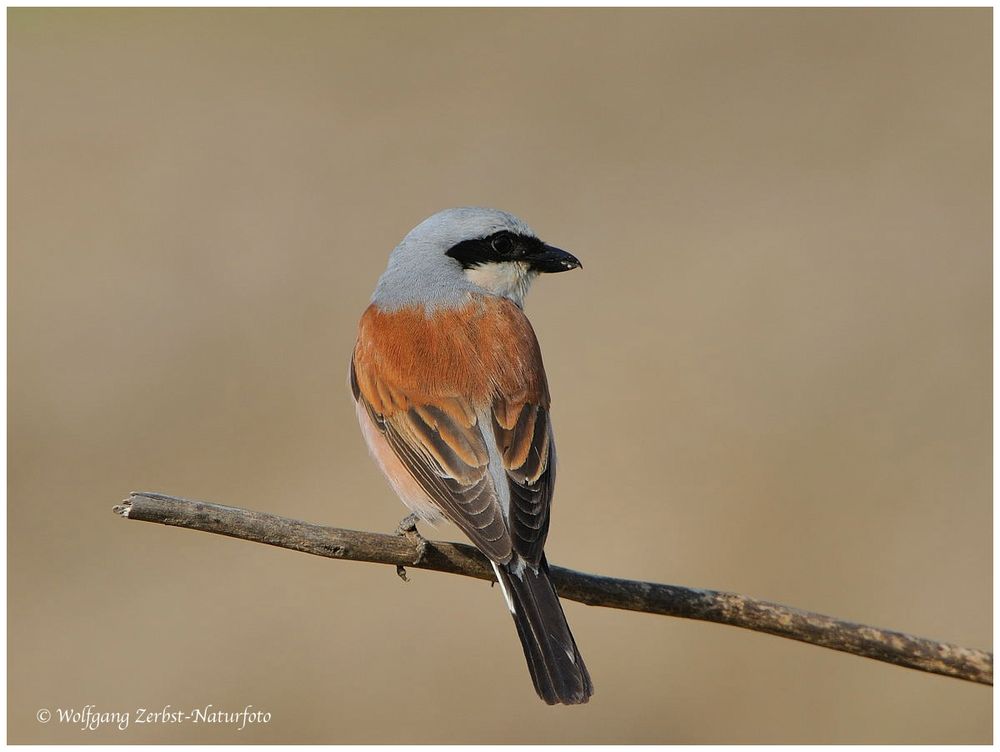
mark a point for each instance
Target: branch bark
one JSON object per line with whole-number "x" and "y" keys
{"x": 411, "y": 550}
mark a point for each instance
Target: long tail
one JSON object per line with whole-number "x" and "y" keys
{"x": 555, "y": 664}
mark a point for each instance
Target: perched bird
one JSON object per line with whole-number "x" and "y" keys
{"x": 454, "y": 405}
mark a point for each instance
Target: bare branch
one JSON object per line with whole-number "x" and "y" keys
{"x": 409, "y": 550}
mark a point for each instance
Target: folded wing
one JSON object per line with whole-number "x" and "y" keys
{"x": 524, "y": 437}
{"x": 446, "y": 453}
{"x": 446, "y": 427}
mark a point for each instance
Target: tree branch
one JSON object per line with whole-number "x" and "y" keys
{"x": 595, "y": 590}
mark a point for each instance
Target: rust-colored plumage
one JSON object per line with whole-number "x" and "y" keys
{"x": 460, "y": 359}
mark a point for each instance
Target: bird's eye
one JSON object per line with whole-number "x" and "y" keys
{"x": 503, "y": 245}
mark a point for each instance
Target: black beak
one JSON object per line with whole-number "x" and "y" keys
{"x": 548, "y": 259}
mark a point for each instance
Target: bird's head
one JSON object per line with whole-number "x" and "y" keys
{"x": 463, "y": 250}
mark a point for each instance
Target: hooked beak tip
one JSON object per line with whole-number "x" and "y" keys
{"x": 551, "y": 259}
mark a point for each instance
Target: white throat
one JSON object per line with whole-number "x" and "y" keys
{"x": 510, "y": 279}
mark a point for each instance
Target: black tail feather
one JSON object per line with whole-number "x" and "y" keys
{"x": 555, "y": 664}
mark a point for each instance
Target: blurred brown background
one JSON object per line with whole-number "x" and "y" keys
{"x": 773, "y": 376}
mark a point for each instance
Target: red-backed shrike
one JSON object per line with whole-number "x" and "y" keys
{"x": 453, "y": 402}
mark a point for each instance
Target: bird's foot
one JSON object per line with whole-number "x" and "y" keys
{"x": 407, "y": 528}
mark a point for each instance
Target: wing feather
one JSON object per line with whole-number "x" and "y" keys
{"x": 526, "y": 445}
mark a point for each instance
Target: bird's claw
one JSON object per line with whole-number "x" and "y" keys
{"x": 407, "y": 528}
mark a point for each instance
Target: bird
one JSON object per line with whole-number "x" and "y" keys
{"x": 453, "y": 403}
